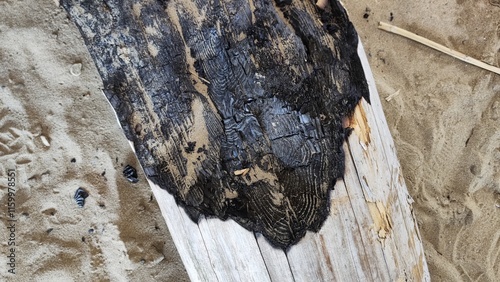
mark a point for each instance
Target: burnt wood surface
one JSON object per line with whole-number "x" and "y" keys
{"x": 234, "y": 107}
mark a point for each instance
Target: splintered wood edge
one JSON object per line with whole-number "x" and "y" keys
{"x": 404, "y": 216}
{"x": 441, "y": 48}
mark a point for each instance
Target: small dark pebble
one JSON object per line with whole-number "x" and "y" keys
{"x": 391, "y": 17}
{"x": 91, "y": 230}
{"x": 80, "y": 196}
{"x": 73, "y": 160}
{"x": 131, "y": 174}
{"x": 49, "y": 230}
{"x": 201, "y": 149}
{"x": 103, "y": 173}
{"x": 367, "y": 13}
{"x": 83, "y": 239}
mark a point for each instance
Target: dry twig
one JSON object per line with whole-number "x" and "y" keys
{"x": 437, "y": 46}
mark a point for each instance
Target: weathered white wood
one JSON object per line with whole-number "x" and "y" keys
{"x": 333, "y": 243}
{"x": 276, "y": 261}
{"x": 187, "y": 237}
{"x": 234, "y": 256}
{"x": 407, "y": 238}
{"x": 371, "y": 234}
{"x": 374, "y": 255}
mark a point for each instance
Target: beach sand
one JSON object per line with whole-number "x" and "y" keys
{"x": 59, "y": 133}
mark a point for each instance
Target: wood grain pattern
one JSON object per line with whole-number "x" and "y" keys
{"x": 353, "y": 244}
{"x": 370, "y": 233}
{"x": 234, "y": 107}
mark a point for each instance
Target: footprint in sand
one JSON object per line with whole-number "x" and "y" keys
{"x": 495, "y": 3}
{"x": 15, "y": 142}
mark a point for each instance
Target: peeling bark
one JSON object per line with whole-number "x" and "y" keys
{"x": 234, "y": 107}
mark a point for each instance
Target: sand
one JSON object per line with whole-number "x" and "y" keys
{"x": 50, "y": 89}
{"x": 59, "y": 133}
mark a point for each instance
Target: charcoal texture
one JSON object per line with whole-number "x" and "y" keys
{"x": 235, "y": 107}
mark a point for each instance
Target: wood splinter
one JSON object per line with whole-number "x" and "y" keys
{"x": 242, "y": 172}
{"x": 410, "y": 35}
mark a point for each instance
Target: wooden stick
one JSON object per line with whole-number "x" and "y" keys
{"x": 437, "y": 46}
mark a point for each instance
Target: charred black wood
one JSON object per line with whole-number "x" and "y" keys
{"x": 234, "y": 107}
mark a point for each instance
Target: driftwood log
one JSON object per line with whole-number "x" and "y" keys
{"x": 235, "y": 110}
{"x": 239, "y": 109}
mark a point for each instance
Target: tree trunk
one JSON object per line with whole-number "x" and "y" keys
{"x": 238, "y": 109}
